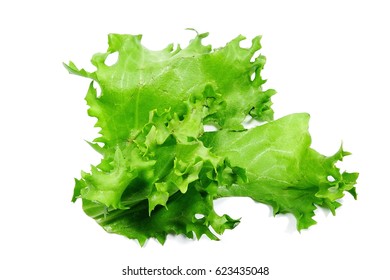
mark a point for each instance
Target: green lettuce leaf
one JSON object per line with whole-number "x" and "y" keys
{"x": 143, "y": 80}
{"x": 148, "y": 181}
{"x": 282, "y": 170}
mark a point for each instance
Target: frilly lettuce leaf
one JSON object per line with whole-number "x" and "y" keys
{"x": 143, "y": 80}
{"x": 160, "y": 171}
{"x": 148, "y": 181}
{"x": 282, "y": 170}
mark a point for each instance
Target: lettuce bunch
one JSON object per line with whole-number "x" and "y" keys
{"x": 161, "y": 171}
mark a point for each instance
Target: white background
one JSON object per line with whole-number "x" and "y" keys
{"x": 328, "y": 58}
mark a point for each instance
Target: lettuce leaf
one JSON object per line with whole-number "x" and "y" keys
{"x": 161, "y": 172}
{"x": 143, "y": 80}
{"x": 282, "y": 170}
